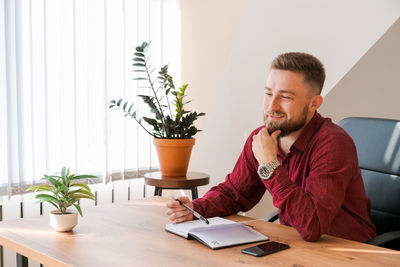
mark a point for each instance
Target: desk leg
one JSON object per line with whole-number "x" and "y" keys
{"x": 158, "y": 191}
{"x": 194, "y": 193}
{"x": 22, "y": 261}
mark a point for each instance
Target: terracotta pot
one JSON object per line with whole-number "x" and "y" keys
{"x": 174, "y": 155}
{"x": 63, "y": 222}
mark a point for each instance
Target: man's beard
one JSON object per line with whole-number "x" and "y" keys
{"x": 286, "y": 126}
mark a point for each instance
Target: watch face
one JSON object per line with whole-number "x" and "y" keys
{"x": 264, "y": 172}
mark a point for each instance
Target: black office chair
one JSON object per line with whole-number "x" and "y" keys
{"x": 378, "y": 148}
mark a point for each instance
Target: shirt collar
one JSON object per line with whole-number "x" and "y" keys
{"x": 308, "y": 131}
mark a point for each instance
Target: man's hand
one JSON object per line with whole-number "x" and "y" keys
{"x": 176, "y": 213}
{"x": 265, "y": 146}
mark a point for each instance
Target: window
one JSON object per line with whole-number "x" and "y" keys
{"x": 60, "y": 63}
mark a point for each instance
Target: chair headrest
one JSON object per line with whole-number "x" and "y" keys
{"x": 377, "y": 142}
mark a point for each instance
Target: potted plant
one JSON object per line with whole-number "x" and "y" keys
{"x": 62, "y": 197}
{"x": 171, "y": 127}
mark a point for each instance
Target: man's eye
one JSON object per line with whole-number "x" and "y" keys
{"x": 286, "y": 97}
{"x": 268, "y": 93}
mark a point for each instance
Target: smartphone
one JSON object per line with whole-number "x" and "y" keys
{"x": 265, "y": 249}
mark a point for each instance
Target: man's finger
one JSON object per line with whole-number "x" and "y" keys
{"x": 173, "y": 210}
{"x": 275, "y": 134}
{"x": 184, "y": 199}
{"x": 172, "y": 204}
{"x": 265, "y": 131}
{"x": 176, "y": 215}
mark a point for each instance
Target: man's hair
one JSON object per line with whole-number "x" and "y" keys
{"x": 306, "y": 64}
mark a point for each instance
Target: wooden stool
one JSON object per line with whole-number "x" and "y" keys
{"x": 191, "y": 181}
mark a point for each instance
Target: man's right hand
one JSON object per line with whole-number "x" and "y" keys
{"x": 177, "y": 213}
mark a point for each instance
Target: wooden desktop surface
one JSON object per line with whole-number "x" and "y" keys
{"x": 132, "y": 234}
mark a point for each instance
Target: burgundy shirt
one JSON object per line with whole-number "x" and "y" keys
{"x": 318, "y": 188}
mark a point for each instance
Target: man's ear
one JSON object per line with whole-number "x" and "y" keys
{"x": 315, "y": 103}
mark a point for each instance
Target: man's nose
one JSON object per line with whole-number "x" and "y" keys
{"x": 273, "y": 104}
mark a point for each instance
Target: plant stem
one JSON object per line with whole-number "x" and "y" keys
{"x": 158, "y": 102}
{"x": 169, "y": 107}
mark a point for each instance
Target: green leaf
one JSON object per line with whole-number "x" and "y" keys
{"x": 63, "y": 171}
{"x": 139, "y": 49}
{"x": 81, "y": 185}
{"x": 72, "y": 192}
{"x": 53, "y": 181}
{"x": 84, "y": 190}
{"x": 152, "y": 122}
{"x": 129, "y": 109}
{"x": 119, "y": 102}
{"x": 78, "y": 209}
{"x": 83, "y": 176}
{"x": 46, "y": 197}
{"x": 140, "y": 79}
{"x": 77, "y": 196}
{"x": 139, "y": 65}
{"x": 67, "y": 177}
{"x": 138, "y": 59}
{"x": 40, "y": 187}
{"x": 64, "y": 175}
{"x": 139, "y": 54}
{"x": 62, "y": 188}
{"x": 80, "y": 192}
{"x": 33, "y": 188}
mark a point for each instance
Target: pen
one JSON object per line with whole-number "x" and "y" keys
{"x": 198, "y": 215}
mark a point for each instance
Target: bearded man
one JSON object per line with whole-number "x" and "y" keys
{"x": 307, "y": 163}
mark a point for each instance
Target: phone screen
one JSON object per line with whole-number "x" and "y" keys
{"x": 265, "y": 249}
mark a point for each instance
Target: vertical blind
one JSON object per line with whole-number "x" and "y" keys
{"x": 61, "y": 62}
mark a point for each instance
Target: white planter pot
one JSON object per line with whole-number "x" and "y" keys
{"x": 63, "y": 222}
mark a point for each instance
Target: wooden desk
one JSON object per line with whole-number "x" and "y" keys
{"x": 132, "y": 234}
{"x": 191, "y": 181}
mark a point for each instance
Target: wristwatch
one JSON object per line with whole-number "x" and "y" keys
{"x": 265, "y": 170}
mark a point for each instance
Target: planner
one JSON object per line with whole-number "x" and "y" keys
{"x": 220, "y": 233}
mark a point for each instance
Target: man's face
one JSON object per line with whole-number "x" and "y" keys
{"x": 286, "y": 102}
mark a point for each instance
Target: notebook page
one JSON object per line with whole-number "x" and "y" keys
{"x": 183, "y": 229}
{"x": 220, "y": 236}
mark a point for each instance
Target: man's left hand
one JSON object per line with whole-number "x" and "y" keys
{"x": 265, "y": 146}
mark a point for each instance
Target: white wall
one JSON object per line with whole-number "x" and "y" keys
{"x": 337, "y": 32}
{"x": 372, "y": 87}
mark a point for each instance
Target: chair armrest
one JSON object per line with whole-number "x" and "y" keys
{"x": 273, "y": 216}
{"x": 384, "y": 238}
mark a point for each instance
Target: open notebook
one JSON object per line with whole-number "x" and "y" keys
{"x": 219, "y": 233}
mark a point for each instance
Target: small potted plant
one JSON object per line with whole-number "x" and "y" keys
{"x": 170, "y": 124}
{"x": 64, "y": 195}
